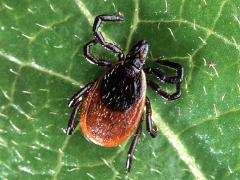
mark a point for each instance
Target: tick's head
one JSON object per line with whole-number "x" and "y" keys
{"x": 137, "y": 55}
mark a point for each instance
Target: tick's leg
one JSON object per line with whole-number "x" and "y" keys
{"x": 133, "y": 146}
{"x": 160, "y": 75}
{"x": 75, "y": 103}
{"x": 78, "y": 96}
{"x": 162, "y": 93}
{"x": 149, "y": 123}
{"x": 91, "y": 58}
{"x": 177, "y": 67}
{"x": 72, "y": 121}
{"x": 109, "y": 46}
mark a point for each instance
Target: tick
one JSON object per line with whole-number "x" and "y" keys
{"x": 112, "y": 107}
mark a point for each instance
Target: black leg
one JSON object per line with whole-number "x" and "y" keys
{"x": 133, "y": 147}
{"x": 100, "y": 38}
{"x": 78, "y": 96}
{"x": 149, "y": 123}
{"x": 173, "y": 65}
{"x": 160, "y": 75}
{"x": 163, "y": 94}
{"x": 92, "y": 59}
{"x": 75, "y": 103}
{"x": 72, "y": 121}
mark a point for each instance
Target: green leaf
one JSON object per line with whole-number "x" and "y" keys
{"x": 42, "y": 66}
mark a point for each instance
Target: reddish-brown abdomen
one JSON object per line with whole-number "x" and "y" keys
{"x": 106, "y": 127}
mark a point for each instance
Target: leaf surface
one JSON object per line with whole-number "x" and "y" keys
{"x": 42, "y": 66}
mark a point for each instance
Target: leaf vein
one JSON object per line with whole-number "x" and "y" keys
{"x": 134, "y": 25}
{"x": 177, "y": 144}
{"x": 182, "y": 21}
{"x": 208, "y": 120}
{"x": 172, "y": 138}
{"x": 205, "y": 40}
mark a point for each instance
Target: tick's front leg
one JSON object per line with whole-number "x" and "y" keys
{"x": 91, "y": 58}
{"x": 164, "y": 94}
{"x": 177, "y": 67}
{"x": 162, "y": 77}
{"x": 109, "y": 46}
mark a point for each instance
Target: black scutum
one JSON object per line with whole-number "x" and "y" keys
{"x": 121, "y": 87}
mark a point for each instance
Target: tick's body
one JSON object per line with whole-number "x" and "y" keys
{"x": 114, "y": 104}
{"x": 110, "y": 113}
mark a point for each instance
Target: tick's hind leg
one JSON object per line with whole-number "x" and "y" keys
{"x": 133, "y": 146}
{"x": 72, "y": 121}
{"x": 75, "y": 103}
{"x": 78, "y": 96}
{"x": 149, "y": 123}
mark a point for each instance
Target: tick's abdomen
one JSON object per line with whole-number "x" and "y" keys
{"x": 106, "y": 127}
{"x": 121, "y": 87}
